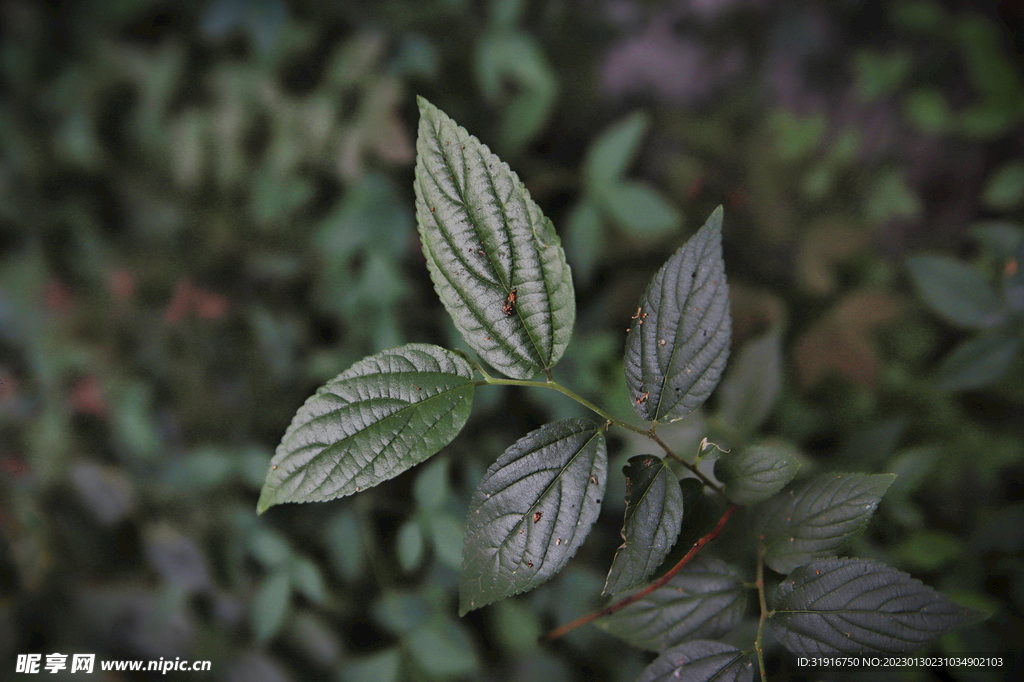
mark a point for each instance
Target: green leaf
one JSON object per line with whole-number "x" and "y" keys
{"x": 270, "y": 606}
{"x": 679, "y": 342}
{"x": 752, "y": 385}
{"x": 697, "y": 512}
{"x": 584, "y": 238}
{"x": 700, "y": 661}
{"x": 484, "y": 239}
{"x": 610, "y": 155}
{"x": 654, "y": 514}
{"x": 836, "y": 606}
{"x": 755, "y": 474}
{"x": 977, "y": 362}
{"x": 532, "y": 511}
{"x": 707, "y": 599}
{"x": 640, "y": 209}
{"x": 927, "y": 109}
{"x": 443, "y": 647}
{"x": 387, "y": 413}
{"x": 957, "y": 293}
{"x": 381, "y": 666}
{"x": 309, "y": 580}
{"x": 1005, "y": 190}
{"x": 409, "y": 546}
{"x": 817, "y": 517}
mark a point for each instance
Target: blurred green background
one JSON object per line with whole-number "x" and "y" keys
{"x": 206, "y": 211}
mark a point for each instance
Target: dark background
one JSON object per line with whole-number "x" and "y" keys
{"x": 206, "y": 211}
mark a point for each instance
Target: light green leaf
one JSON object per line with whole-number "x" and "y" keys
{"x": 532, "y": 511}
{"x": 640, "y": 209}
{"x": 409, "y": 545}
{"x": 956, "y": 292}
{"x": 654, "y": 514}
{"x": 1005, "y": 189}
{"x": 706, "y": 599}
{"x": 755, "y": 474}
{"x": 679, "y": 342}
{"x": 977, "y": 362}
{"x": 308, "y": 580}
{"x": 610, "y": 155}
{"x": 495, "y": 260}
{"x": 752, "y": 384}
{"x": 584, "y": 238}
{"x": 817, "y": 518}
{"x": 700, "y": 661}
{"x": 387, "y": 413}
{"x": 270, "y": 606}
{"x": 836, "y": 606}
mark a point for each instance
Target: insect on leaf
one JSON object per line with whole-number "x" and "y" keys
{"x": 385, "y": 414}
{"x": 495, "y": 260}
{"x": 532, "y": 511}
{"x": 678, "y": 341}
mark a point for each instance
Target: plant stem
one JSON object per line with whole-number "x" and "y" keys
{"x": 692, "y": 467}
{"x": 758, "y": 643}
{"x": 660, "y": 582}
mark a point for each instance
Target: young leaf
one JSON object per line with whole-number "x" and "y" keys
{"x": 957, "y": 293}
{"x": 532, "y": 511}
{"x": 817, "y": 517}
{"x": 385, "y": 414}
{"x": 700, "y": 661}
{"x": 752, "y": 384}
{"x": 755, "y": 474}
{"x": 495, "y": 260}
{"x": 654, "y": 514}
{"x": 836, "y": 606}
{"x": 679, "y": 342}
{"x": 706, "y": 599}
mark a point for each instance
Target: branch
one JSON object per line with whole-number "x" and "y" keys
{"x": 660, "y": 582}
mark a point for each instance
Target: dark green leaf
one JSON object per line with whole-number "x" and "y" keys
{"x": 679, "y": 342}
{"x": 955, "y": 292}
{"x": 654, "y": 514}
{"x": 705, "y": 599}
{"x": 495, "y": 260}
{"x": 817, "y": 517}
{"x": 755, "y": 474}
{"x": 443, "y": 647}
{"x": 696, "y": 514}
{"x": 611, "y": 153}
{"x": 700, "y": 661}
{"x": 532, "y": 511}
{"x": 752, "y": 384}
{"x": 835, "y": 606}
{"x": 977, "y": 362}
{"x": 387, "y": 413}
{"x": 640, "y": 209}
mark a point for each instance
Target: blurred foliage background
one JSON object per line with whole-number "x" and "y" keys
{"x": 206, "y": 211}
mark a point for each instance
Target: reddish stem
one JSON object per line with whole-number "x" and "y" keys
{"x": 660, "y": 582}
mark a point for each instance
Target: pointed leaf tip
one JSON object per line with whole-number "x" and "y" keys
{"x": 493, "y": 256}
{"x": 678, "y": 341}
{"x": 385, "y": 414}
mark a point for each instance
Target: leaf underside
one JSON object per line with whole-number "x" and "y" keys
{"x": 654, "y": 515}
{"x": 385, "y": 414}
{"x": 495, "y": 260}
{"x": 818, "y": 517}
{"x": 836, "y": 606}
{"x": 532, "y": 511}
{"x": 678, "y": 343}
{"x": 706, "y": 599}
{"x": 700, "y": 661}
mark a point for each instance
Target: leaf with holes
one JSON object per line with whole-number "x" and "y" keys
{"x": 678, "y": 341}
{"x": 818, "y": 517}
{"x": 755, "y": 474}
{"x": 845, "y": 606}
{"x": 385, "y": 414}
{"x": 654, "y": 514}
{"x": 705, "y": 599}
{"x": 700, "y": 661}
{"x": 532, "y": 511}
{"x": 495, "y": 260}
